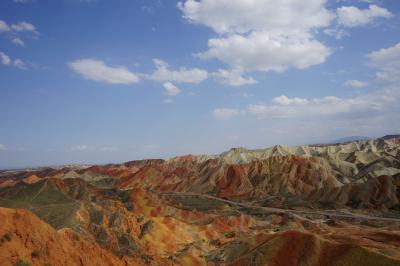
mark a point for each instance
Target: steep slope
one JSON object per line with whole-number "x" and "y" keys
{"x": 25, "y": 237}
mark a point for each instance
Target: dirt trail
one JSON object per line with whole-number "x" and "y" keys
{"x": 288, "y": 211}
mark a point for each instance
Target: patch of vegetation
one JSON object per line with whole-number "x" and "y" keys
{"x": 140, "y": 219}
{"x": 230, "y": 234}
{"x": 256, "y": 180}
{"x": 75, "y": 236}
{"x": 215, "y": 242}
{"x": 22, "y": 263}
{"x": 257, "y": 213}
{"x": 115, "y": 220}
{"x": 43, "y": 199}
{"x": 370, "y": 224}
{"x": 327, "y": 205}
{"x": 145, "y": 228}
{"x": 35, "y": 254}
{"x": 190, "y": 202}
{"x": 146, "y": 258}
{"x": 362, "y": 256}
{"x": 230, "y": 212}
{"x": 292, "y": 202}
{"x": 6, "y": 237}
{"x": 102, "y": 236}
{"x": 229, "y": 252}
{"x": 96, "y": 217}
{"x": 104, "y": 183}
{"x": 127, "y": 246}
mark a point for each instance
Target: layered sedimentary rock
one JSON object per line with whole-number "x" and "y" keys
{"x": 322, "y": 204}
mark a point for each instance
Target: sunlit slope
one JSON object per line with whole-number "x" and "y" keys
{"x": 321, "y": 204}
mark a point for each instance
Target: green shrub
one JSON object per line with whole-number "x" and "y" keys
{"x": 22, "y": 263}
{"x": 35, "y": 254}
{"x": 7, "y": 237}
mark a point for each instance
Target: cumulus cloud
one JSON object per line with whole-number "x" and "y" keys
{"x": 286, "y": 107}
{"x": 238, "y": 16}
{"x": 5, "y": 59}
{"x": 182, "y": 75}
{"x": 355, "y": 83}
{"x": 262, "y": 35}
{"x": 387, "y": 60}
{"x": 259, "y": 51}
{"x": 351, "y": 16}
{"x": 233, "y": 77}
{"x": 97, "y": 70}
{"x": 171, "y": 89}
{"x": 329, "y": 105}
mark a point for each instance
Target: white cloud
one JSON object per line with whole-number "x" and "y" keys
{"x": 18, "y": 63}
{"x": 337, "y": 33}
{"x": 18, "y": 41}
{"x": 284, "y": 100}
{"x": 285, "y": 107}
{"x": 259, "y": 51}
{"x": 3, "y": 147}
{"x": 228, "y": 16}
{"x": 387, "y": 60}
{"x": 5, "y": 59}
{"x": 262, "y": 35}
{"x": 351, "y": 16}
{"x": 4, "y": 26}
{"x": 233, "y": 77}
{"x": 355, "y": 83}
{"x": 329, "y": 105}
{"x": 97, "y": 70}
{"x": 16, "y": 30}
{"x": 24, "y": 27}
{"x": 226, "y": 113}
{"x": 182, "y": 75}
{"x": 171, "y": 89}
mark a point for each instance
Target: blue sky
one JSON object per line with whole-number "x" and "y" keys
{"x": 110, "y": 81}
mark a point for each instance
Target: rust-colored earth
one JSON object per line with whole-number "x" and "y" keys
{"x": 308, "y": 205}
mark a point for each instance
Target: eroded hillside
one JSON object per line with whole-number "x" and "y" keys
{"x": 307, "y": 205}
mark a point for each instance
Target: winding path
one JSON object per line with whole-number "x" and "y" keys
{"x": 295, "y": 213}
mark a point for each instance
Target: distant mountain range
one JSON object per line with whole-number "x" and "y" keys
{"x": 360, "y": 138}
{"x": 349, "y": 139}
